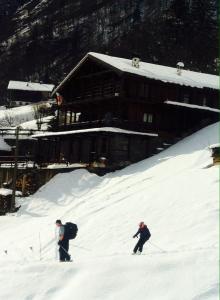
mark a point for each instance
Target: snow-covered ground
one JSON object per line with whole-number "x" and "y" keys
{"x": 33, "y": 124}
{"x": 16, "y": 115}
{"x": 173, "y": 192}
{"x": 24, "y": 116}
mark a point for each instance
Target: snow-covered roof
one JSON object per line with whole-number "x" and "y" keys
{"x": 64, "y": 166}
{"x": 153, "y": 71}
{"x": 214, "y": 146}
{"x": 101, "y": 129}
{"x": 30, "y": 86}
{"x": 192, "y": 106}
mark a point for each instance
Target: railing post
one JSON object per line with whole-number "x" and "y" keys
{"x": 15, "y": 171}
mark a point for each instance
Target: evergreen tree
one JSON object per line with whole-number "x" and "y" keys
{"x": 172, "y": 33}
{"x": 203, "y": 33}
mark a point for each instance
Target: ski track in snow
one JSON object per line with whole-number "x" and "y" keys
{"x": 171, "y": 191}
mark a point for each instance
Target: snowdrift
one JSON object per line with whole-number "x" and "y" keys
{"x": 175, "y": 193}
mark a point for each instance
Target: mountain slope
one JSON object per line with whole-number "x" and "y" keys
{"x": 42, "y": 40}
{"x": 173, "y": 192}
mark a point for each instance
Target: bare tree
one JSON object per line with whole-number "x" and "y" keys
{"x": 8, "y": 120}
{"x": 40, "y": 111}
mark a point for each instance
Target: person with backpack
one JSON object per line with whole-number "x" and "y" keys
{"x": 144, "y": 233}
{"x": 63, "y": 242}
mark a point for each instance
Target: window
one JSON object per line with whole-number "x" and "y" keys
{"x": 78, "y": 117}
{"x": 147, "y": 118}
{"x": 62, "y": 117}
{"x": 204, "y": 101}
{"x": 68, "y": 117}
{"x": 186, "y": 97}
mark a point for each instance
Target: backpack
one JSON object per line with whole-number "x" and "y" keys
{"x": 71, "y": 230}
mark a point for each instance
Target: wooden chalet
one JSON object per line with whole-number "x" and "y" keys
{"x": 113, "y": 111}
{"x": 24, "y": 93}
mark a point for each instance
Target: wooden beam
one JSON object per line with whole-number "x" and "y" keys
{"x": 95, "y": 74}
{"x": 90, "y": 100}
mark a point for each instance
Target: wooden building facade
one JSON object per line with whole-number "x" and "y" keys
{"x": 124, "y": 110}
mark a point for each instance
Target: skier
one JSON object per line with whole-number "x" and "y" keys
{"x": 63, "y": 242}
{"x": 144, "y": 233}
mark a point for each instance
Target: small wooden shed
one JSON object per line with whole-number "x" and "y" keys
{"x": 215, "y": 153}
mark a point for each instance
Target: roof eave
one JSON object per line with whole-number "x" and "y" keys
{"x": 88, "y": 55}
{"x": 70, "y": 74}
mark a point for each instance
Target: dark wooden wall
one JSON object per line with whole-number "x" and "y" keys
{"x": 27, "y": 96}
{"x": 116, "y": 148}
{"x": 97, "y": 90}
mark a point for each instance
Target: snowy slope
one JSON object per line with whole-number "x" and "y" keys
{"x": 15, "y": 116}
{"x": 33, "y": 124}
{"x": 22, "y": 115}
{"x": 173, "y": 192}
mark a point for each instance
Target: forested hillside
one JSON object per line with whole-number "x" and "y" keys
{"x": 43, "y": 39}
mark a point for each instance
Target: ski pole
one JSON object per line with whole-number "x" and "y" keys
{"x": 39, "y": 246}
{"x": 157, "y": 247}
{"x": 66, "y": 252}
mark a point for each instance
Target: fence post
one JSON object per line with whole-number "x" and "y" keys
{"x": 15, "y": 170}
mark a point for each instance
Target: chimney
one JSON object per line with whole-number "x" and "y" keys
{"x": 136, "y": 62}
{"x": 180, "y": 66}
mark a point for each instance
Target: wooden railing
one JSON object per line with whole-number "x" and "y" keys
{"x": 96, "y": 91}
{"x": 22, "y": 132}
{"x": 8, "y": 161}
{"x": 115, "y": 122}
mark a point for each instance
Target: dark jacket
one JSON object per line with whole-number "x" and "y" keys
{"x": 144, "y": 233}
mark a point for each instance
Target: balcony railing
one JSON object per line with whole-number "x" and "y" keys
{"x": 115, "y": 122}
{"x": 98, "y": 91}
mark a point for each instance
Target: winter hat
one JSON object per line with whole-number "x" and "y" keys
{"x": 58, "y": 222}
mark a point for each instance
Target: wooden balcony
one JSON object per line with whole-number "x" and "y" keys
{"x": 95, "y": 92}
{"x": 115, "y": 122}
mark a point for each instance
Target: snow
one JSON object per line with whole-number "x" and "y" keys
{"x": 64, "y": 166}
{"x": 101, "y": 129}
{"x": 30, "y": 86}
{"x": 32, "y": 125}
{"x": 217, "y": 145}
{"x": 24, "y": 116}
{"x": 3, "y": 145}
{"x": 192, "y": 106}
{"x": 153, "y": 71}
{"x": 180, "y": 64}
{"x": 164, "y": 73}
{"x": 7, "y": 192}
{"x": 173, "y": 192}
{"x": 16, "y": 115}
